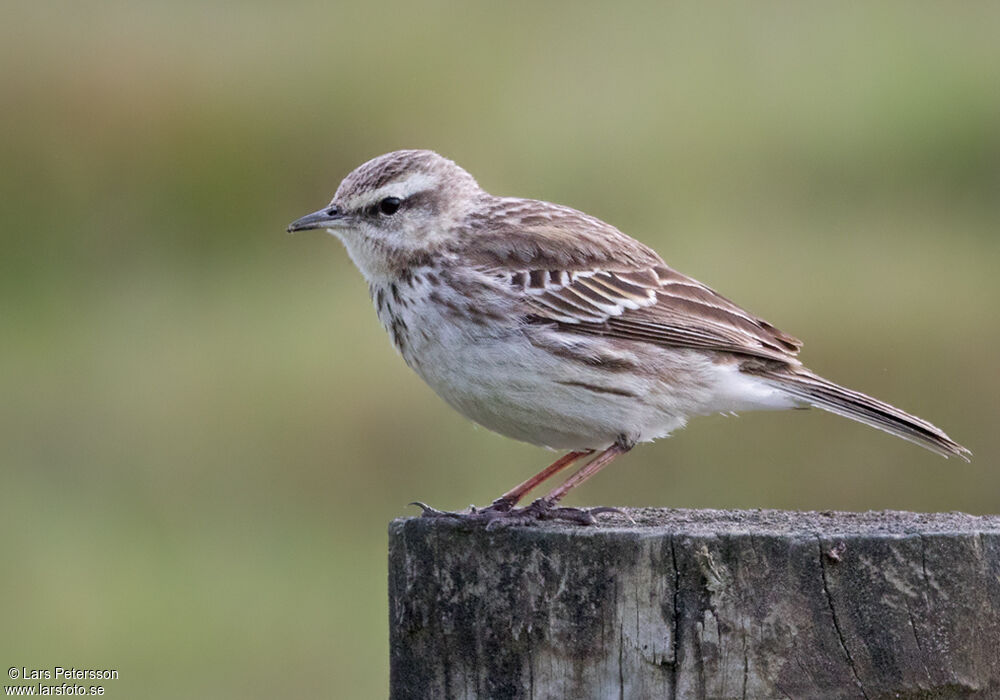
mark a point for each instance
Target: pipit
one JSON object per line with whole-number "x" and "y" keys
{"x": 550, "y": 326}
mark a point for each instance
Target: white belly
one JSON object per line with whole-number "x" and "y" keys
{"x": 491, "y": 372}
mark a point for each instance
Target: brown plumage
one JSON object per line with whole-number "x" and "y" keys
{"x": 588, "y": 277}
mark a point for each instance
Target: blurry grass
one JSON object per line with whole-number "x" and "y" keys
{"x": 204, "y": 431}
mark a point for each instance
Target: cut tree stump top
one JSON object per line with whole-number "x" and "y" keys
{"x": 689, "y": 521}
{"x": 698, "y": 604}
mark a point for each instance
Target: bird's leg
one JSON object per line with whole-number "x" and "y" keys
{"x": 511, "y": 498}
{"x": 586, "y": 471}
{"x": 502, "y": 511}
{"x": 545, "y": 508}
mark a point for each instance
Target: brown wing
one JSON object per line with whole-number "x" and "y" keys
{"x": 656, "y": 305}
{"x": 589, "y": 277}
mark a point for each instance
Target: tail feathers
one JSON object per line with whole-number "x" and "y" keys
{"x": 831, "y": 397}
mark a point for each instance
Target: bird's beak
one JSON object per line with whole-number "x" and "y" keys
{"x": 328, "y": 217}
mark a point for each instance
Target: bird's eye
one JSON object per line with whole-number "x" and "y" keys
{"x": 389, "y": 205}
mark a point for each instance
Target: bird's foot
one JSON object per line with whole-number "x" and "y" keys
{"x": 544, "y": 509}
{"x": 500, "y": 508}
{"x": 502, "y": 513}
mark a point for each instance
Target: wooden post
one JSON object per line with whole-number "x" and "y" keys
{"x": 698, "y": 604}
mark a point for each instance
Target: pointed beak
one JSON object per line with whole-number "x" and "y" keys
{"x": 329, "y": 217}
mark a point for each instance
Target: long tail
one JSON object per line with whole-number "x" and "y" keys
{"x": 834, "y": 398}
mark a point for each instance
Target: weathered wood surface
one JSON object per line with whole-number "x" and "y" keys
{"x": 698, "y": 604}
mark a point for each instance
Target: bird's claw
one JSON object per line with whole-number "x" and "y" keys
{"x": 611, "y": 509}
{"x": 429, "y": 512}
{"x": 472, "y": 513}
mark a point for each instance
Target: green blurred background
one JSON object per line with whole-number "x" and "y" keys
{"x": 204, "y": 431}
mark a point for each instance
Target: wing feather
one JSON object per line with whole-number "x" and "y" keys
{"x": 589, "y": 277}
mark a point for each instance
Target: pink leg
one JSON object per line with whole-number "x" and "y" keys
{"x": 511, "y": 498}
{"x": 502, "y": 511}
{"x": 585, "y": 472}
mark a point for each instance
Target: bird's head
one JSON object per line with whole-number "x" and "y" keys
{"x": 396, "y": 207}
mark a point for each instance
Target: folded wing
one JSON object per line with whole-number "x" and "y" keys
{"x": 589, "y": 277}
{"x": 654, "y": 304}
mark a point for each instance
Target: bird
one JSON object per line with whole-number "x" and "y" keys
{"x": 552, "y": 327}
